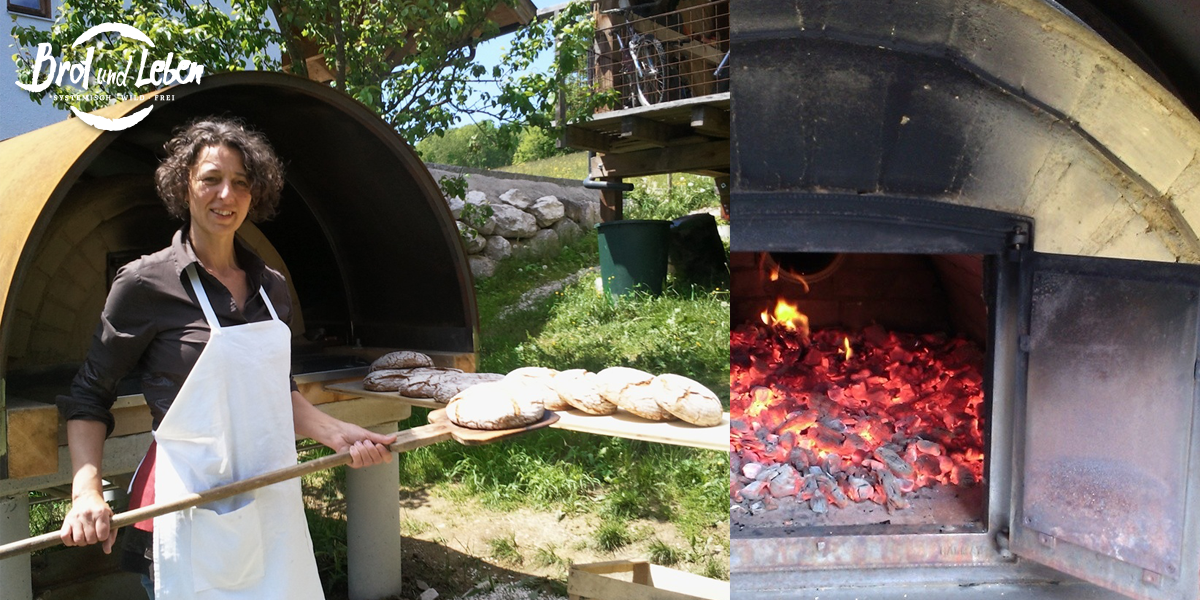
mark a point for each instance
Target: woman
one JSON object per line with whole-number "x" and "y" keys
{"x": 204, "y": 320}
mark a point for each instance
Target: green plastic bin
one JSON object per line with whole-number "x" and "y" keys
{"x": 633, "y": 255}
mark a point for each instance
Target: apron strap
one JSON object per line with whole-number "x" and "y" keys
{"x": 267, "y": 300}
{"x": 202, "y": 296}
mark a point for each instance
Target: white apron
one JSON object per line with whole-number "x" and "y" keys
{"x": 231, "y": 420}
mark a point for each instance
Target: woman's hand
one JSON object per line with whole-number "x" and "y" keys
{"x": 366, "y": 447}
{"x": 88, "y": 522}
{"x": 90, "y": 518}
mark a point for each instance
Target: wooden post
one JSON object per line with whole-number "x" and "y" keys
{"x": 612, "y": 203}
{"x": 723, "y": 192}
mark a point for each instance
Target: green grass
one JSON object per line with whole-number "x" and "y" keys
{"x": 504, "y": 549}
{"x": 547, "y": 556}
{"x": 612, "y": 536}
{"x": 662, "y": 553}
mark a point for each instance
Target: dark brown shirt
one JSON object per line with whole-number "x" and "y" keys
{"x": 153, "y": 325}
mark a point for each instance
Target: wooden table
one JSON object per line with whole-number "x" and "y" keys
{"x": 621, "y": 424}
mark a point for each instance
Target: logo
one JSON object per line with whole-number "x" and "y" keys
{"x": 159, "y": 73}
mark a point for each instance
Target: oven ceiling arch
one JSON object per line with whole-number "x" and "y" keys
{"x": 399, "y": 262}
{"x": 1012, "y": 106}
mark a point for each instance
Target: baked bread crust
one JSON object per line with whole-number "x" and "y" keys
{"x": 688, "y": 400}
{"x": 539, "y": 383}
{"x": 632, "y": 391}
{"x": 401, "y": 359}
{"x": 579, "y": 389}
{"x": 493, "y": 405}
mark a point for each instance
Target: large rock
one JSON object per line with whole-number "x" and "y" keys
{"x": 567, "y": 230}
{"x": 517, "y": 198}
{"x": 584, "y": 212}
{"x": 471, "y": 238}
{"x": 545, "y": 243}
{"x": 547, "y": 210}
{"x": 481, "y": 266}
{"x": 498, "y": 248}
{"x": 456, "y": 206}
{"x": 512, "y": 222}
{"x": 478, "y": 202}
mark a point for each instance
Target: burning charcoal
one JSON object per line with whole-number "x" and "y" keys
{"x": 752, "y": 469}
{"x": 927, "y": 447}
{"x": 894, "y": 462}
{"x": 857, "y": 442}
{"x": 945, "y": 463}
{"x": 928, "y": 465}
{"x": 757, "y": 507}
{"x": 833, "y": 492}
{"x": 786, "y": 483}
{"x": 755, "y": 491}
{"x": 735, "y": 488}
{"x": 833, "y": 424}
{"x": 895, "y": 492}
{"x": 787, "y": 441}
{"x": 962, "y": 476}
{"x": 738, "y": 426}
{"x": 818, "y": 504}
{"x": 799, "y": 421}
{"x": 768, "y": 473}
{"x": 832, "y": 463}
{"x": 800, "y": 458}
{"x": 859, "y": 490}
{"x": 769, "y": 503}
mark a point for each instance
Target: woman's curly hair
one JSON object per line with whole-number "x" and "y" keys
{"x": 263, "y": 167}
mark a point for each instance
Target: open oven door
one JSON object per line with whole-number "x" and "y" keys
{"x": 1107, "y": 445}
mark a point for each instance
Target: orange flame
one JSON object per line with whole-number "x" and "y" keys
{"x": 788, "y": 316}
{"x": 846, "y": 347}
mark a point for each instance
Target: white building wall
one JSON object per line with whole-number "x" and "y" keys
{"x": 19, "y": 114}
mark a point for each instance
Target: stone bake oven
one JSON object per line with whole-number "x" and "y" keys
{"x": 363, "y": 235}
{"x": 966, "y": 304}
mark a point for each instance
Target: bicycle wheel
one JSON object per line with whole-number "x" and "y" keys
{"x": 649, "y": 69}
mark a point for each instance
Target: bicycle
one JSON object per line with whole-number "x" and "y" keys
{"x": 647, "y": 57}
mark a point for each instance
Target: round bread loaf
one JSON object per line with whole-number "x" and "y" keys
{"x": 688, "y": 400}
{"x": 493, "y": 405}
{"x": 385, "y": 380}
{"x": 444, "y": 385}
{"x": 538, "y": 383}
{"x": 632, "y": 391}
{"x": 402, "y": 359}
{"x": 578, "y": 388}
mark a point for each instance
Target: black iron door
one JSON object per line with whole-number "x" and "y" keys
{"x": 1106, "y": 431}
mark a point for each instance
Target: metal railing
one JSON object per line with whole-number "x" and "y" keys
{"x": 651, "y": 58}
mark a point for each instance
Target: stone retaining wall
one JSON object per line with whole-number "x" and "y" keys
{"x": 531, "y": 216}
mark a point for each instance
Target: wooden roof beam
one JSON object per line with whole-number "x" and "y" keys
{"x": 711, "y": 121}
{"x": 584, "y": 139}
{"x": 658, "y": 161}
{"x": 655, "y": 133}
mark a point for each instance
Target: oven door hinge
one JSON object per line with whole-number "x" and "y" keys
{"x": 1018, "y": 241}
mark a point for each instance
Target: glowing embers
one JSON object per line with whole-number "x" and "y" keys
{"x": 841, "y": 417}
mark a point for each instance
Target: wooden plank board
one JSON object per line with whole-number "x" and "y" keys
{"x": 621, "y": 424}
{"x": 625, "y": 425}
{"x": 32, "y": 438}
{"x": 649, "y": 582}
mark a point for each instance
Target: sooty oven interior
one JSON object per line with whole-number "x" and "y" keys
{"x": 913, "y": 386}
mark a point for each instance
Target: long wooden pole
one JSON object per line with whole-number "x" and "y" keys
{"x": 408, "y": 439}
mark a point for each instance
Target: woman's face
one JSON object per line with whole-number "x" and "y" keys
{"x": 218, "y": 191}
